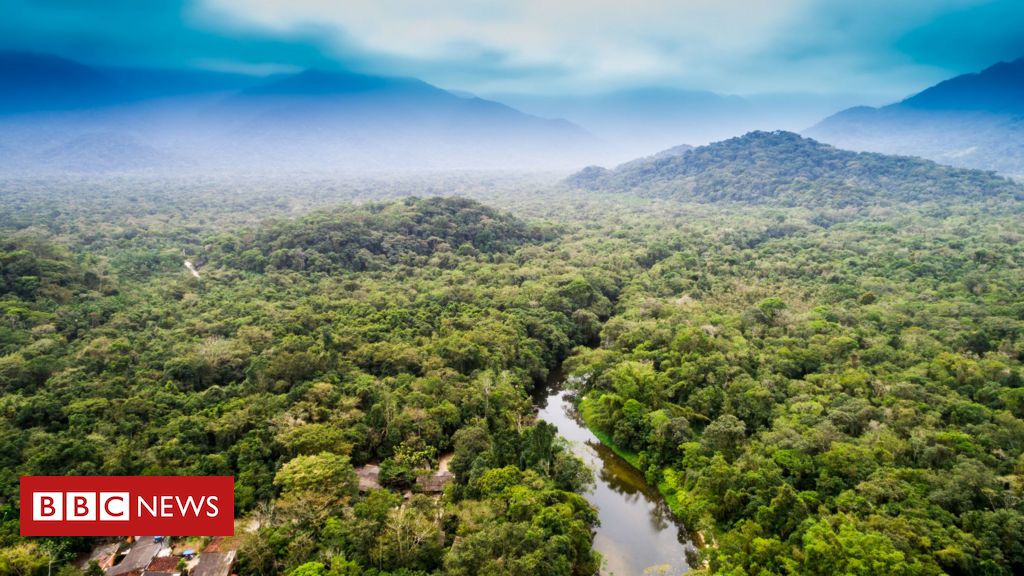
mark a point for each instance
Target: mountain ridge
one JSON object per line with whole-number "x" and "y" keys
{"x": 972, "y": 120}
{"x": 998, "y": 88}
{"x": 314, "y": 120}
{"x": 33, "y": 81}
{"x": 316, "y": 81}
{"x": 784, "y": 168}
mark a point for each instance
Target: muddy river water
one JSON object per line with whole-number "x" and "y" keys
{"x": 637, "y": 535}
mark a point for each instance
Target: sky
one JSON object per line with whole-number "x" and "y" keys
{"x": 886, "y": 48}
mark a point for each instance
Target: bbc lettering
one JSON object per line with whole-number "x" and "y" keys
{"x": 80, "y": 506}
{"x": 115, "y": 505}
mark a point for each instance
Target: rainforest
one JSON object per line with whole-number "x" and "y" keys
{"x": 512, "y": 288}
{"x": 812, "y": 387}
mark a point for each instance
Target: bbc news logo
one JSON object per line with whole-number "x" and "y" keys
{"x": 114, "y": 506}
{"x": 81, "y": 506}
{"x": 119, "y": 505}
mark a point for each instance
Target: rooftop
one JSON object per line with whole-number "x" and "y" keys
{"x": 139, "y": 556}
{"x": 369, "y": 477}
{"x": 214, "y": 564}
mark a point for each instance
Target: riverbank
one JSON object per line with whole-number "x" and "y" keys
{"x": 585, "y": 408}
{"x": 667, "y": 487}
{"x": 636, "y": 531}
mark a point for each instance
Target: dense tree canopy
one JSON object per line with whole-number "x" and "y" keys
{"x": 390, "y": 333}
{"x": 829, "y": 397}
{"x": 816, "y": 388}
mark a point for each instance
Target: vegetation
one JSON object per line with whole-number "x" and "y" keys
{"x": 784, "y": 169}
{"x": 391, "y": 333}
{"x": 828, "y": 399}
{"x": 818, "y": 387}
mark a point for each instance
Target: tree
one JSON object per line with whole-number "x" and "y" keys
{"x": 829, "y": 551}
{"x": 22, "y": 559}
{"x": 770, "y": 308}
{"x": 308, "y": 569}
{"x": 570, "y": 473}
{"x": 324, "y": 473}
{"x": 471, "y": 443}
{"x": 724, "y": 435}
{"x": 408, "y": 461}
{"x": 342, "y": 567}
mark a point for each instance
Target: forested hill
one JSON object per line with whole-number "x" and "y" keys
{"x": 782, "y": 168}
{"x": 379, "y": 235}
{"x": 391, "y": 334}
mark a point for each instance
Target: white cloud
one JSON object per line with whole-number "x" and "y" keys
{"x": 727, "y": 45}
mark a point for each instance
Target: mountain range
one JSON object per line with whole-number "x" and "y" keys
{"x": 58, "y": 115}
{"x": 641, "y": 121}
{"x": 972, "y": 120}
{"x": 786, "y": 169}
{"x": 61, "y": 115}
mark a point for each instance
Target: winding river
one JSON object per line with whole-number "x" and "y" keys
{"x": 638, "y": 535}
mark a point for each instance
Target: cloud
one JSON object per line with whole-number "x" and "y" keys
{"x": 592, "y": 43}
{"x": 970, "y": 38}
{"x": 881, "y": 47}
{"x": 144, "y": 33}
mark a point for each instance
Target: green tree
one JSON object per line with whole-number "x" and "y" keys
{"x": 324, "y": 473}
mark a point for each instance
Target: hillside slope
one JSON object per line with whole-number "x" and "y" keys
{"x": 378, "y": 236}
{"x": 782, "y": 168}
{"x": 972, "y": 120}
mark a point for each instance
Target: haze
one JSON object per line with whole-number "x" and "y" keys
{"x": 613, "y": 68}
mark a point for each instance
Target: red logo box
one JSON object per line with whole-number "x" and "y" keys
{"x": 122, "y": 505}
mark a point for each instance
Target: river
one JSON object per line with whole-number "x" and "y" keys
{"x": 637, "y": 535}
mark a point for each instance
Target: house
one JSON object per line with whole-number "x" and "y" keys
{"x": 434, "y": 483}
{"x": 104, "y": 555}
{"x": 369, "y": 477}
{"x": 142, "y": 552}
{"x": 162, "y": 566}
{"x": 214, "y": 564}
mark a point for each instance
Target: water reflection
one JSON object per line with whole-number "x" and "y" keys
{"x": 637, "y": 534}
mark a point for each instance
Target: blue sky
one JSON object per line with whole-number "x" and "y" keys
{"x": 886, "y": 48}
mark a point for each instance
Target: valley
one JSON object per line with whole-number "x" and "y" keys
{"x": 362, "y": 288}
{"x": 812, "y": 380}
